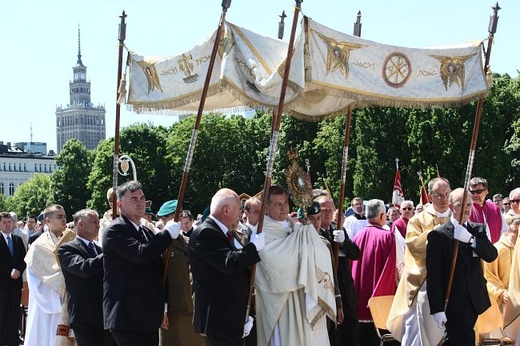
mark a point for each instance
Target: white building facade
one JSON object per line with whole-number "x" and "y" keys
{"x": 16, "y": 169}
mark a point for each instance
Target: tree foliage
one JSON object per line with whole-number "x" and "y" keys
{"x": 31, "y": 197}
{"x": 227, "y": 154}
{"x": 145, "y": 144}
{"x": 69, "y": 181}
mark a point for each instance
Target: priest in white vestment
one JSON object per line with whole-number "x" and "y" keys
{"x": 294, "y": 281}
{"x": 46, "y": 282}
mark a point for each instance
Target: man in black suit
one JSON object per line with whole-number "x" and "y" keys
{"x": 133, "y": 295}
{"x": 347, "y": 332}
{"x": 82, "y": 266}
{"x": 221, "y": 273}
{"x": 469, "y": 296}
{"x": 12, "y": 265}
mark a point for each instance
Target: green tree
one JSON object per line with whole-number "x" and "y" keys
{"x": 3, "y": 202}
{"x": 31, "y": 197}
{"x": 100, "y": 179}
{"x": 69, "y": 181}
{"x": 226, "y": 155}
{"x": 329, "y": 144}
{"x": 146, "y": 146}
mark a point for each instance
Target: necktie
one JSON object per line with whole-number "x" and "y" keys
{"x": 92, "y": 248}
{"x": 143, "y": 232}
{"x": 230, "y": 236}
{"x": 10, "y": 245}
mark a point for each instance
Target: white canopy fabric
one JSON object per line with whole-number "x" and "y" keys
{"x": 330, "y": 70}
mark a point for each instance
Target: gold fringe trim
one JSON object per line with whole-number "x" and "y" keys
{"x": 172, "y": 106}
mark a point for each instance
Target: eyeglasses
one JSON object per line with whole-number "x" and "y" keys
{"x": 506, "y": 203}
{"x": 441, "y": 195}
{"x": 477, "y": 191}
{"x": 514, "y": 200}
{"x": 407, "y": 208}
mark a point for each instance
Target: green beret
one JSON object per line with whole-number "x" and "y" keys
{"x": 314, "y": 209}
{"x": 167, "y": 208}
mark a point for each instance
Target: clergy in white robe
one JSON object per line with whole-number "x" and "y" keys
{"x": 46, "y": 282}
{"x": 294, "y": 281}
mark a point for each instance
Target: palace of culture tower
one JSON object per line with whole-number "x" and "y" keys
{"x": 80, "y": 118}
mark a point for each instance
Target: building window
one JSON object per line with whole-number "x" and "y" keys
{"x": 2, "y": 188}
{"x": 11, "y": 189}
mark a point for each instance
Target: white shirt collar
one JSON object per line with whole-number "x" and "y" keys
{"x": 219, "y": 224}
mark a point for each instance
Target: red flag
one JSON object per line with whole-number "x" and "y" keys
{"x": 397, "y": 194}
{"x": 424, "y": 195}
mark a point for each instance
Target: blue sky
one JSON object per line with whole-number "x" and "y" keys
{"x": 38, "y": 41}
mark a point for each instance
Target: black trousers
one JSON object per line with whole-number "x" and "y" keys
{"x": 210, "y": 340}
{"x": 10, "y": 315}
{"x": 461, "y": 316}
{"x": 348, "y": 332}
{"x": 92, "y": 335}
{"x": 131, "y": 338}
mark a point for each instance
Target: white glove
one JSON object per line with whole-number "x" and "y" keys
{"x": 339, "y": 236}
{"x": 258, "y": 240}
{"x": 174, "y": 228}
{"x": 462, "y": 234}
{"x": 440, "y": 319}
{"x": 247, "y": 326}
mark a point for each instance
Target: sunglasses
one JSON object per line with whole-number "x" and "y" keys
{"x": 477, "y": 192}
{"x": 514, "y": 200}
{"x": 407, "y": 208}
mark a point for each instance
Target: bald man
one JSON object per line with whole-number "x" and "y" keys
{"x": 221, "y": 272}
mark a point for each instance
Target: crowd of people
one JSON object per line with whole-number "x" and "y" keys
{"x": 141, "y": 278}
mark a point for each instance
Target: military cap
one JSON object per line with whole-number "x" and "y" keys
{"x": 313, "y": 209}
{"x": 167, "y": 208}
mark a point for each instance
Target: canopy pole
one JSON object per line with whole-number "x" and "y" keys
{"x": 341, "y": 200}
{"x": 121, "y": 38}
{"x": 180, "y": 198}
{"x": 275, "y": 129}
{"x": 344, "y": 161}
{"x": 493, "y": 21}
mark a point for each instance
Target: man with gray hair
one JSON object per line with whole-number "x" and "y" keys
{"x": 133, "y": 296}
{"x": 406, "y": 214}
{"x": 221, "y": 272}
{"x": 82, "y": 266}
{"x": 409, "y": 319}
{"x": 457, "y": 314}
{"x": 17, "y": 230}
{"x": 375, "y": 271}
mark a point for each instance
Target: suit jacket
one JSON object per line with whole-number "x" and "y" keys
{"x": 83, "y": 273}
{"x": 345, "y": 281}
{"x": 133, "y": 296}
{"x": 468, "y": 278}
{"x": 220, "y": 280}
{"x": 8, "y": 262}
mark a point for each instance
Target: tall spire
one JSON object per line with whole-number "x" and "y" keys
{"x": 80, "y": 63}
